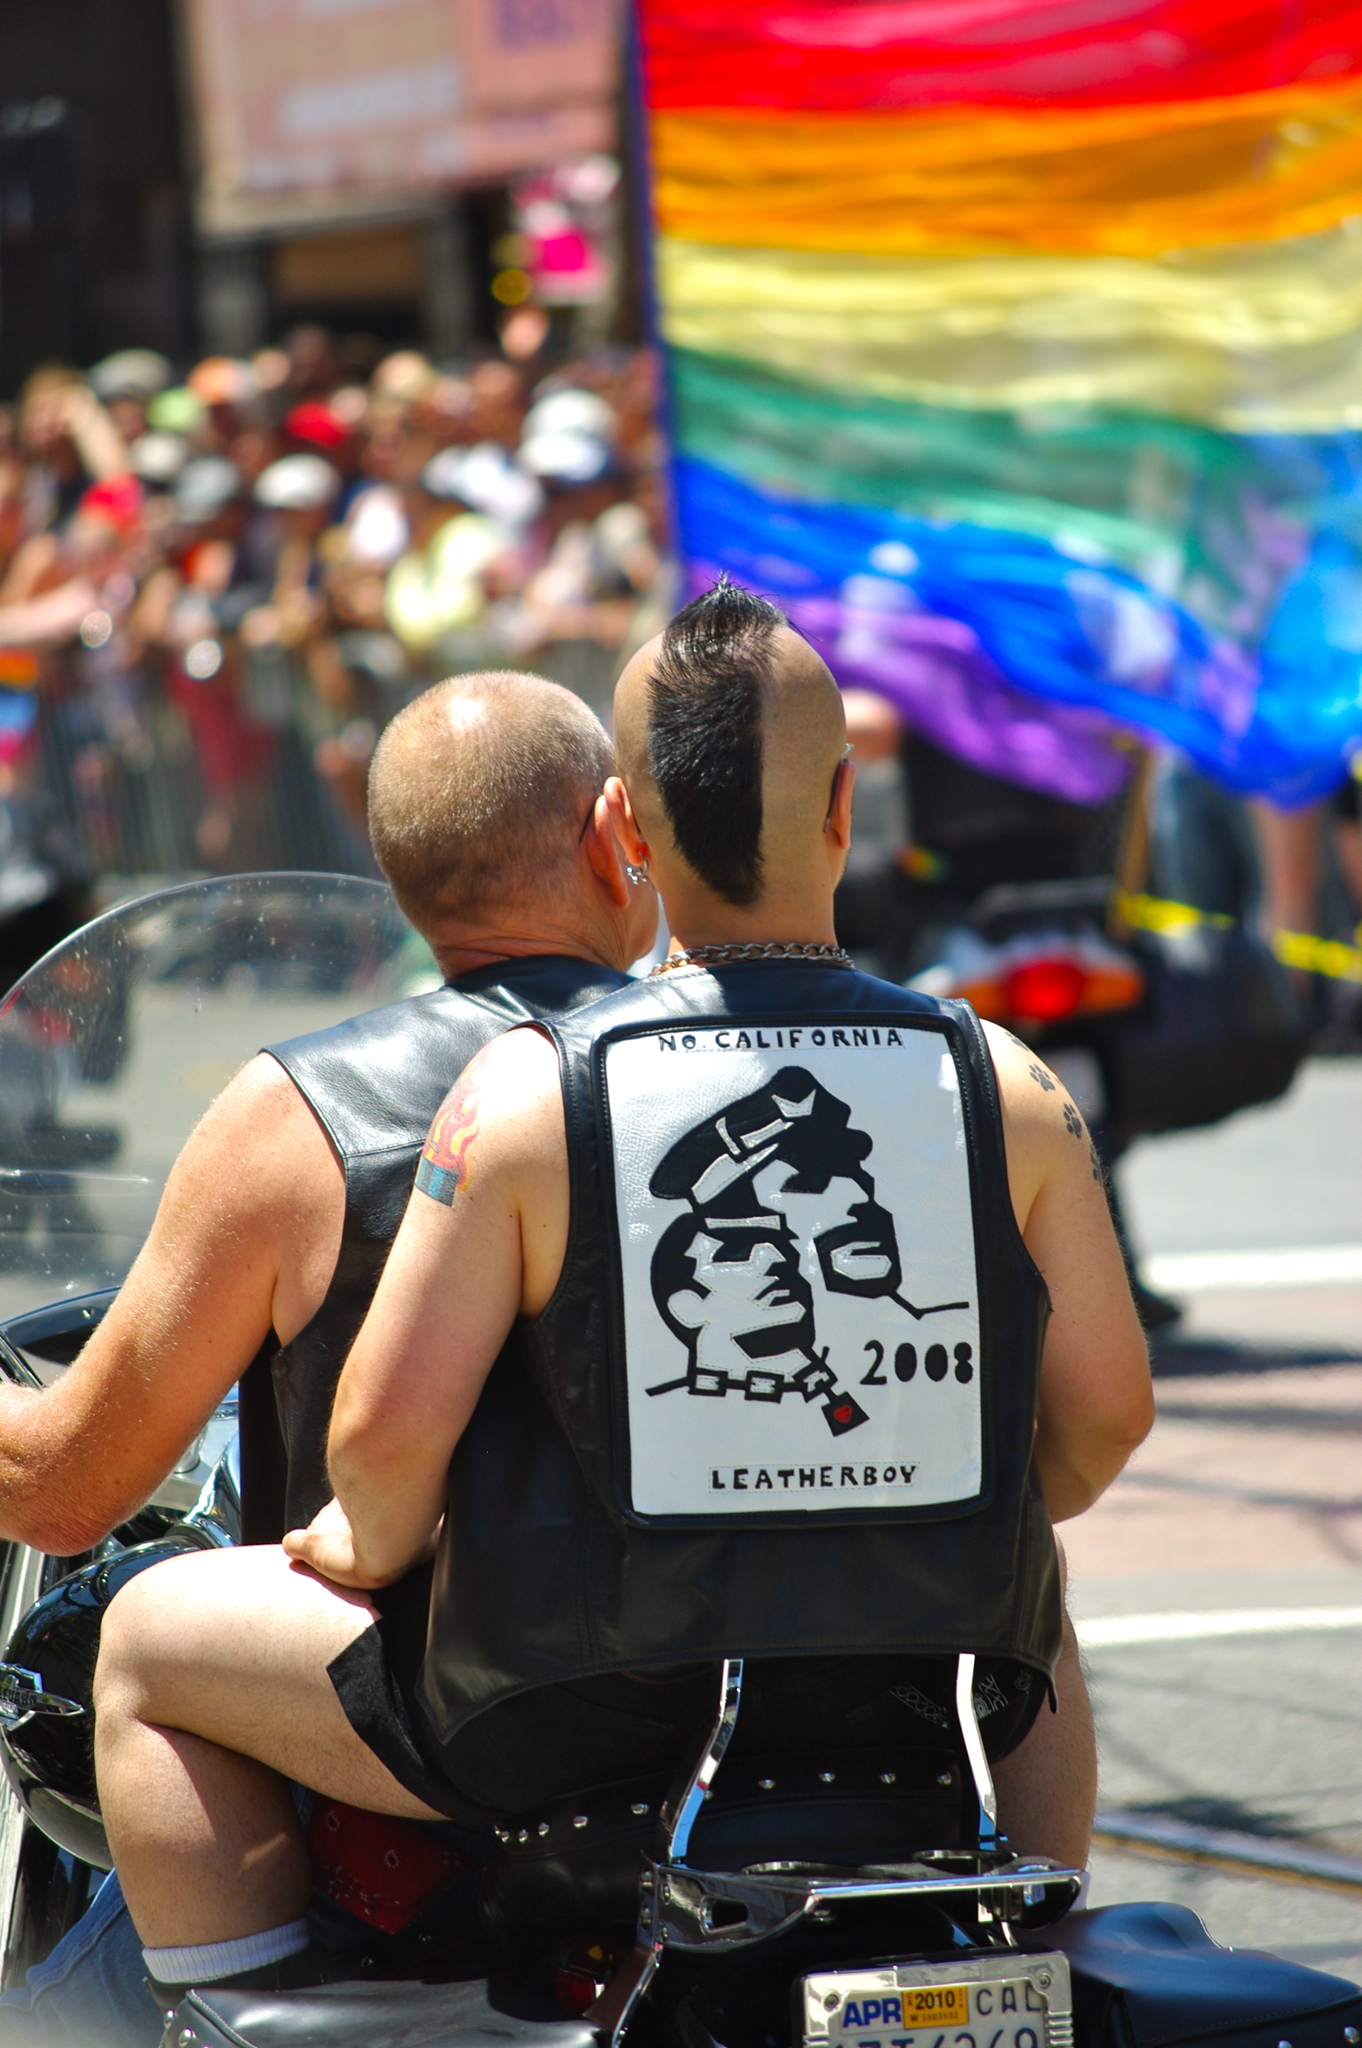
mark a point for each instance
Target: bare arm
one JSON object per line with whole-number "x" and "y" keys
{"x": 246, "y": 1235}
{"x": 99, "y": 444}
{"x": 1096, "y": 1400}
{"x": 482, "y": 1242}
{"x": 48, "y": 620}
{"x": 29, "y": 564}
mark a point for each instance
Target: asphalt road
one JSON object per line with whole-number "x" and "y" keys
{"x": 1246, "y": 1496}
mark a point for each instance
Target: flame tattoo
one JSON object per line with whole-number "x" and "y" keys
{"x": 445, "y": 1167}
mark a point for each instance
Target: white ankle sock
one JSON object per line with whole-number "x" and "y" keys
{"x": 209, "y": 1961}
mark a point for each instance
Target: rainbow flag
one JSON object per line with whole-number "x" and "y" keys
{"x": 1016, "y": 349}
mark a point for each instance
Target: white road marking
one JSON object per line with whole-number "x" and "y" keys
{"x": 1262, "y": 1856}
{"x": 1114, "y": 1631}
{"x": 1317, "y": 1265}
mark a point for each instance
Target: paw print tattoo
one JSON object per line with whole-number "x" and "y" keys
{"x": 1073, "y": 1122}
{"x": 1038, "y": 1073}
{"x": 1096, "y": 1163}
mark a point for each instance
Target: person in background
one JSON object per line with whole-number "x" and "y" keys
{"x": 578, "y": 614}
{"x": 437, "y": 593}
{"x": 70, "y": 442}
{"x": 126, "y": 383}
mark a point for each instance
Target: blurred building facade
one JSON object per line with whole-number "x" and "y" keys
{"x": 95, "y": 216}
{"x": 202, "y": 175}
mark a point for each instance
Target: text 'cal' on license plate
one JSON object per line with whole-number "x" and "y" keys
{"x": 988, "y": 2001}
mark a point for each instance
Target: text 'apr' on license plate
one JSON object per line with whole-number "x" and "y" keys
{"x": 993, "y": 2001}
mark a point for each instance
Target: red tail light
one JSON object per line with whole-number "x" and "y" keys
{"x": 575, "y": 1990}
{"x": 1042, "y": 991}
{"x": 1027, "y": 982}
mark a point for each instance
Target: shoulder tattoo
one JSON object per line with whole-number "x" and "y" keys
{"x": 1073, "y": 1124}
{"x": 446, "y": 1169}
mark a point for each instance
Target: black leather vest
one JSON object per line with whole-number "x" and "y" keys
{"x": 375, "y": 1083}
{"x": 702, "y": 1447}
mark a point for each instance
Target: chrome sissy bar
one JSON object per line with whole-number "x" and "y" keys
{"x": 615, "y": 2007}
{"x": 712, "y": 1912}
{"x": 967, "y": 1716}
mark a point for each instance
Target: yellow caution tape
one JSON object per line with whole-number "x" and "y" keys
{"x": 1301, "y": 950}
{"x": 1157, "y": 914}
{"x": 1318, "y": 956}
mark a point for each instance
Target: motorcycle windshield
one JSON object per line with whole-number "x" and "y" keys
{"x": 114, "y": 1044}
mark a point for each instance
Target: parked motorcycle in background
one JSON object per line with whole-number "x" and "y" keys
{"x": 1034, "y": 911}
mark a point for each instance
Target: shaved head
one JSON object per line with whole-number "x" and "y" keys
{"x": 478, "y": 791}
{"x": 729, "y": 729}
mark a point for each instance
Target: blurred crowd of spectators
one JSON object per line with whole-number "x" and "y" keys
{"x": 215, "y": 590}
{"x": 217, "y": 586}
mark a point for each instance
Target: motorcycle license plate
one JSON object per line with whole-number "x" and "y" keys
{"x": 993, "y": 2001}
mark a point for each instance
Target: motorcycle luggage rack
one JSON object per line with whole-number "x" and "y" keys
{"x": 697, "y": 1913}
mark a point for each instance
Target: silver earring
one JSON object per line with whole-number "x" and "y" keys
{"x": 636, "y": 874}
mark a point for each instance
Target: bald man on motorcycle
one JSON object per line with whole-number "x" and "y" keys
{"x": 277, "y": 1217}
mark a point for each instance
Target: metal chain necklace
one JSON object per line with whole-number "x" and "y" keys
{"x": 714, "y": 956}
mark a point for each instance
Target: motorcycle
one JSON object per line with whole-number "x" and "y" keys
{"x": 1150, "y": 1030}
{"x": 1155, "y": 1018}
{"x": 863, "y": 1900}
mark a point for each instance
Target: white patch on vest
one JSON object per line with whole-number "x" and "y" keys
{"x": 801, "y": 1305}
